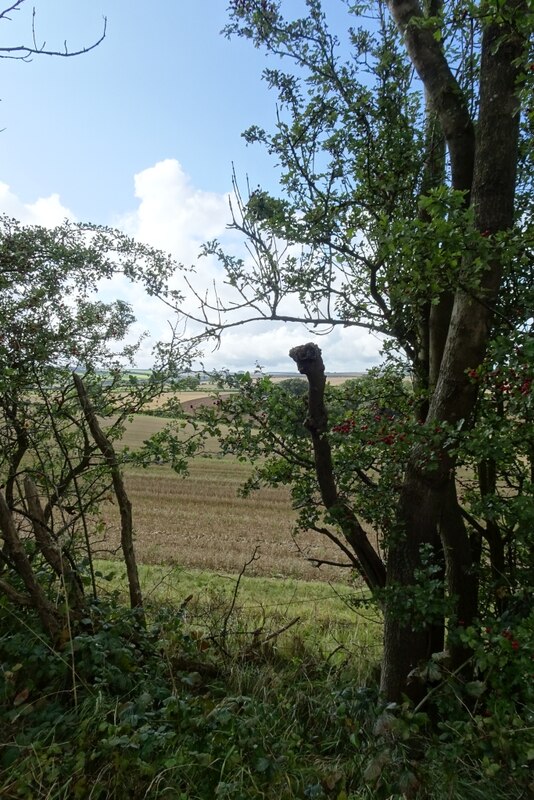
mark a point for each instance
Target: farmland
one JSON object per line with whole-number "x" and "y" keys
{"x": 200, "y": 521}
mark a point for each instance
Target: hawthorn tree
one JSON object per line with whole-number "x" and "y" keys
{"x": 406, "y": 177}
{"x": 65, "y": 396}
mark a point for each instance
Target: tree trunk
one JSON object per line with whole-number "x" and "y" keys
{"x": 409, "y": 640}
{"x": 461, "y": 573}
{"x": 125, "y": 506}
{"x": 47, "y": 612}
{"x": 52, "y": 552}
{"x": 424, "y": 493}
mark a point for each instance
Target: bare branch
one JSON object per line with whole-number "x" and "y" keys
{"x": 24, "y": 52}
{"x": 254, "y": 557}
{"x": 285, "y": 628}
{"x": 14, "y": 7}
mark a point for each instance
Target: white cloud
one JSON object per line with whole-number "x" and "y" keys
{"x": 174, "y": 215}
{"x": 268, "y": 344}
{"x": 47, "y": 211}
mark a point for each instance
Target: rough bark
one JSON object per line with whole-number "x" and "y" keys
{"x": 45, "y": 609}
{"x": 424, "y": 493}
{"x": 51, "y": 551}
{"x": 310, "y": 363}
{"x": 123, "y": 501}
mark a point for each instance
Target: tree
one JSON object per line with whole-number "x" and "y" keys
{"x": 24, "y": 52}
{"x": 406, "y": 206}
{"x": 294, "y": 386}
{"x": 64, "y": 398}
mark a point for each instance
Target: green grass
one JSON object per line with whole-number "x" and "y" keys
{"x": 332, "y": 620}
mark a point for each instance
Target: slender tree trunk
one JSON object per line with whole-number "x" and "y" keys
{"x": 51, "y": 550}
{"x": 440, "y": 308}
{"x": 125, "y": 506}
{"x": 47, "y": 612}
{"x": 461, "y": 572}
{"x": 432, "y": 316}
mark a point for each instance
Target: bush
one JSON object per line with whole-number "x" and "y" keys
{"x": 126, "y": 712}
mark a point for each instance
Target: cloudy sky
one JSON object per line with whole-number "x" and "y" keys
{"x": 141, "y": 133}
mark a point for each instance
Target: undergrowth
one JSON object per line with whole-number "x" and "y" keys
{"x": 181, "y": 711}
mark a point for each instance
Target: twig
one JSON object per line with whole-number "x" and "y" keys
{"x": 281, "y": 630}
{"x": 24, "y": 52}
{"x": 253, "y": 558}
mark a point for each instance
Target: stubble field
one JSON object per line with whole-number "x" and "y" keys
{"x": 200, "y": 521}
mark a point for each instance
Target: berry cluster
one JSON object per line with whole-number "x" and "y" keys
{"x": 384, "y": 435}
{"x": 507, "y": 382}
{"x": 344, "y": 427}
{"x": 507, "y": 634}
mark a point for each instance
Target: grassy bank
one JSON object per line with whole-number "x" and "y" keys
{"x": 181, "y": 711}
{"x": 330, "y": 620}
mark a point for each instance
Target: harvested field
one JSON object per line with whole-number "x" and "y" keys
{"x": 202, "y": 396}
{"x": 200, "y": 522}
{"x": 143, "y": 426}
{"x": 186, "y": 399}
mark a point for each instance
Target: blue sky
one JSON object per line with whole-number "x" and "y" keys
{"x": 142, "y": 133}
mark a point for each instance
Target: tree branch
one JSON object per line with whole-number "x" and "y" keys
{"x": 24, "y": 52}
{"x": 17, "y": 597}
{"x": 310, "y": 363}
{"x": 443, "y": 91}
